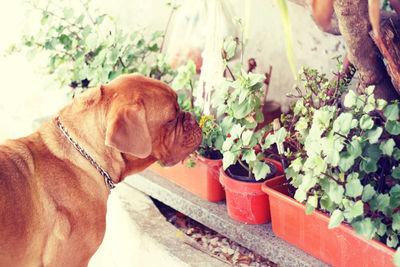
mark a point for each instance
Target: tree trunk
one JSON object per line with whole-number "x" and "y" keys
{"x": 354, "y": 26}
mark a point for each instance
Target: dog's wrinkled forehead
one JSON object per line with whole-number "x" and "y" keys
{"x": 156, "y": 95}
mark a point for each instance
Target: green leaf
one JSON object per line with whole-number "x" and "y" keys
{"x": 393, "y": 127}
{"x": 261, "y": 170}
{"x": 241, "y": 110}
{"x": 249, "y": 156}
{"x": 357, "y": 209}
{"x": 335, "y": 192}
{"x": 374, "y": 134}
{"x": 370, "y": 89}
{"x": 369, "y": 165}
{"x": 228, "y": 159}
{"x": 259, "y": 116}
{"x": 392, "y": 241}
{"x": 365, "y": 227}
{"x": 396, "y": 154}
{"x": 396, "y": 221}
{"x": 342, "y": 124}
{"x": 246, "y": 137}
{"x": 387, "y": 147}
{"x": 354, "y": 188}
{"x": 66, "y": 41}
{"x": 355, "y": 148}
{"x": 91, "y": 41}
{"x": 383, "y": 201}
{"x": 336, "y": 218}
{"x": 396, "y": 173}
{"x": 396, "y": 258}
{"x": 68, "y": 13}
{"x": 370, "y": 105}
{"x": 302, "y": 124}
{"x": 373, "y": 151}
{"x": 381, "y": 227}
{"x": 346, "y": 161}
{"x": 288, "y": 34}
{"x": 391, "y": 112}
{"x": 300, "y": 195}
{"x": 366, "y": 122}
{"x": 395, "y": 197}
{"x": 230, "y": 47}
{"x": 236, "y": 131}
{"x": 350, "y": 99}
{"x": 280, "y": 135}
{"x": 381, "y": 103}
{"x": 311, "y": 204}
{"x": 368, "y": 193}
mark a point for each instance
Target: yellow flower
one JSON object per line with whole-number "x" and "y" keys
{"x": 204, "y": 119}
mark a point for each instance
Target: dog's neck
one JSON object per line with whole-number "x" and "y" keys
{"x": 107, "y": 178}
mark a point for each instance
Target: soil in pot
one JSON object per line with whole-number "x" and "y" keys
{"x": 238, "y": 172}
{"x": 212, "y": 154}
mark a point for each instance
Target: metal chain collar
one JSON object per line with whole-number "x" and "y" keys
{"x": 107, "y": 179}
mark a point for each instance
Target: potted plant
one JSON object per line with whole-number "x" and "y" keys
{"x": 238, "y": 100}
{"x": 343, "y": 160}
{"x": 86, "y": 48}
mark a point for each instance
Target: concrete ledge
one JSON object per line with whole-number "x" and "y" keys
{"x": 138, "y": 235}
{"x": 258, "y": 238}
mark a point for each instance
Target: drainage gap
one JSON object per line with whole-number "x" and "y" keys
{"x": 212, "y": 242}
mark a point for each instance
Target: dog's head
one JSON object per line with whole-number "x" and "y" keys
{"x": 144, "y": 119}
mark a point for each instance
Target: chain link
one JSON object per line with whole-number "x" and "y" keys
{"x": 107, "y": 179}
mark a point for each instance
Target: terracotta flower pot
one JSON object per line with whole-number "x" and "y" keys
{"x": 202, "y": 179}
{"x": 340, "y": 246}
{"x": 245, "y": 201}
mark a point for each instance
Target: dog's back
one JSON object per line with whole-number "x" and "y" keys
{"x": 18, "y": 222}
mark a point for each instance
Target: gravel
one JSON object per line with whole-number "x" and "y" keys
{"x": 211, "y": 242}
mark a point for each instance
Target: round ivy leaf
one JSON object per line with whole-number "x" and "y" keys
{"x": 387, "y": 147}
{"x": 375, "y": 133}
{"x": 391, "y": 112}
{"x": 354, "y": 188}
{"x": 366, "y": 122}
{"x": 368, "y": 165}
{"x": 365, "y": 227}
{"x": 393, "y": 127}
{"x": 396, "y": 173}
{"x": 336, "y": 218}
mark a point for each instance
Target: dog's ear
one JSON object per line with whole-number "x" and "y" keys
{"x": 127, "y": 131}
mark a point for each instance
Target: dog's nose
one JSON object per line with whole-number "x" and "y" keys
{"x": 192, "y": 119}
{"x": 189, "y": 118}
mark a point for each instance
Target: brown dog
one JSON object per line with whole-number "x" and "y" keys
{"x": 53, "y": 198}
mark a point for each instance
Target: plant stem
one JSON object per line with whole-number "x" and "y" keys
{"x": 244, "y": 166}
{"x": 166, "y": 28}
{"x": 87, "y": 12}
{"x": 230, "y": 72}
{"x": 330, "y": 176}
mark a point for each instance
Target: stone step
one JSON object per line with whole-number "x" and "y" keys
{"x": 258, "y": 238}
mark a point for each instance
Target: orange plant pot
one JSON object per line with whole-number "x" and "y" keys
{"x": 202, "y": 179}
{"x": 340, "y": 246}
{"x": 246, "y": 202}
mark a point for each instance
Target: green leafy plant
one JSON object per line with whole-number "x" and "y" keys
{"x": 343, "y": 156}
{"x": 238, "y": 100}
{"x": 85, "y": 49}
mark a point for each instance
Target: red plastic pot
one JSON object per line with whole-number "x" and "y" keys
{"x": 246, "y": 202}
{"x": 340, "y": 246}
{"x": 202, "y": 179}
